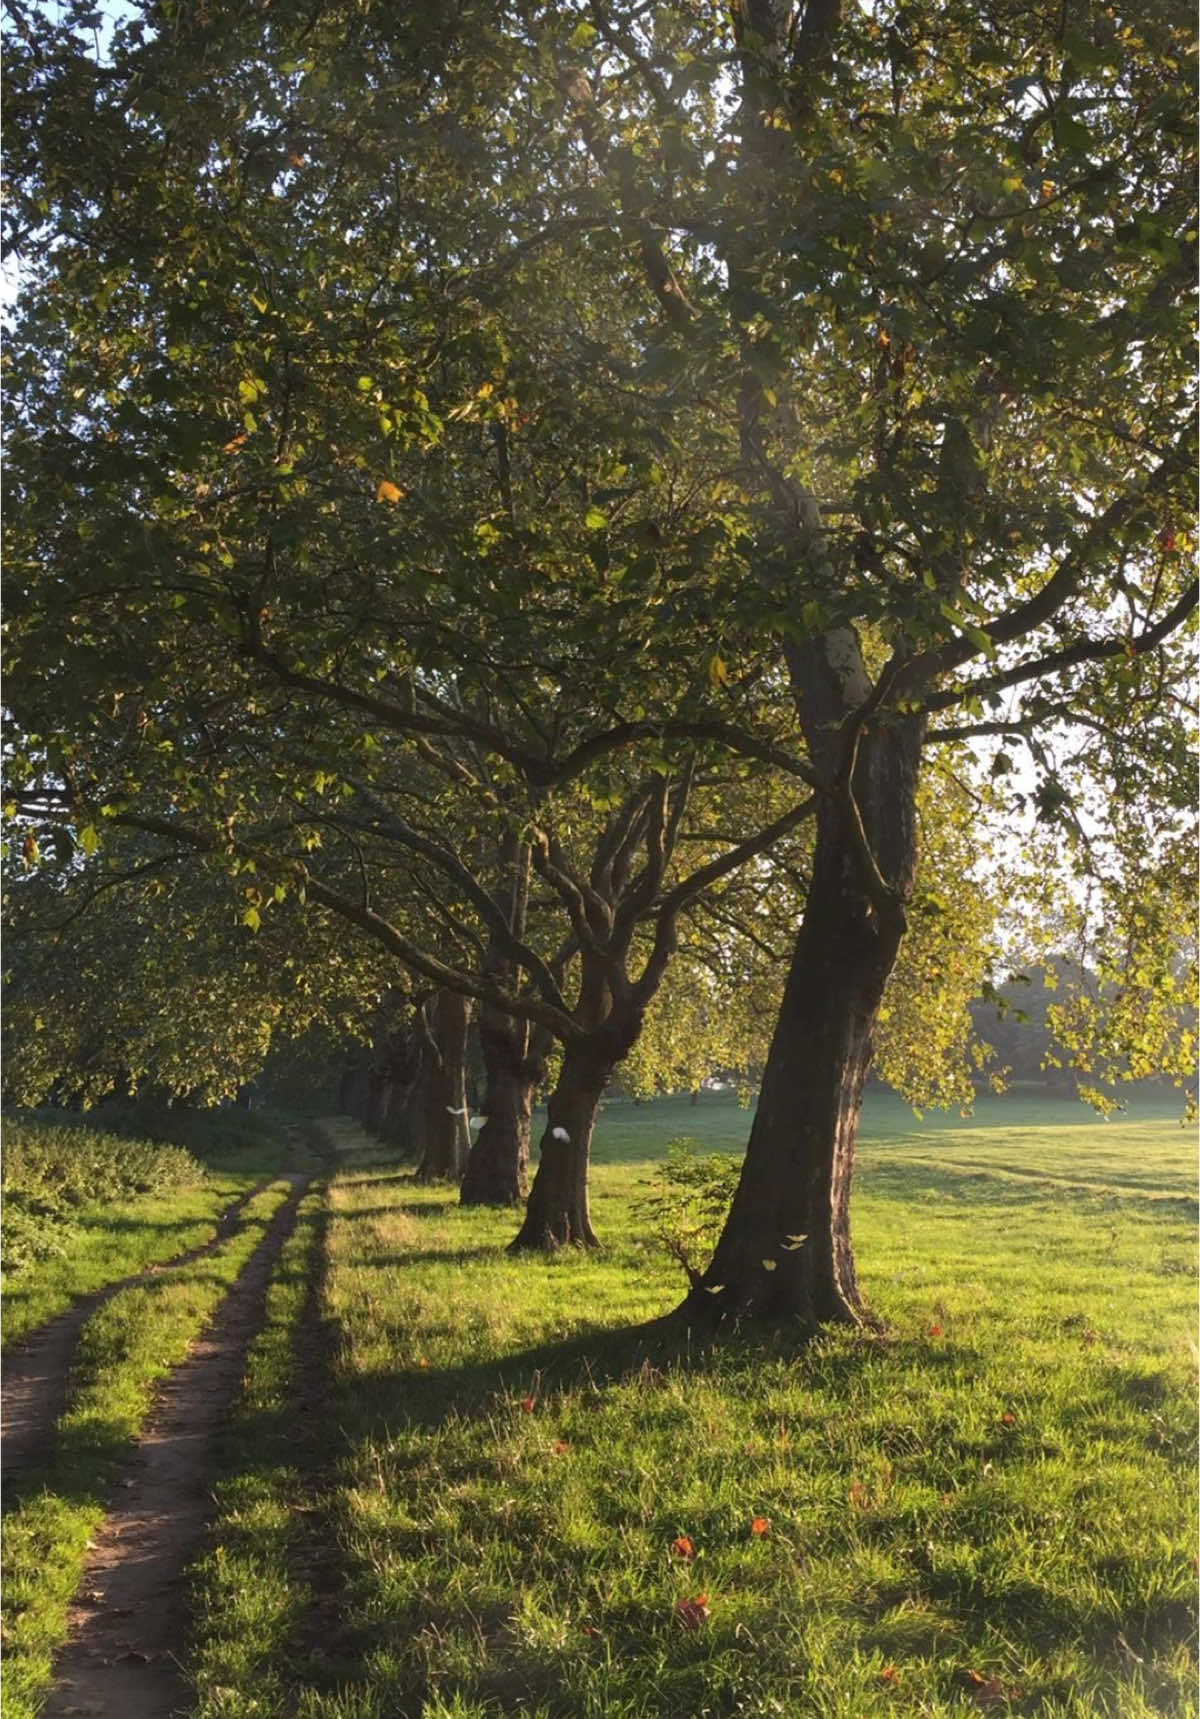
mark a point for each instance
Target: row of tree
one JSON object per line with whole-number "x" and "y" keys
{"x": 568, "y": 494}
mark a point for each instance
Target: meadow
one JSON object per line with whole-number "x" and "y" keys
{"x": 512, "y": 1501}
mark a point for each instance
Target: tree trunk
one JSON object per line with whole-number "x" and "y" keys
{"x": 447, "y": 1136}
{"x": 498, "y": 1164}
{"x": 557, "y": 1212}
{"x": 796, "y": 1179}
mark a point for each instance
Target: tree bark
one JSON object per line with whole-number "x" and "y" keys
{"x": 557, "y": 1213}
{"x": 799, "y": 1163}
{"x": 497, "y": 1168}
{"x": 447, "y": 1138}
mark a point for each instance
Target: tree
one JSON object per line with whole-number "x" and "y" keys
{"x": 803, "y": 384}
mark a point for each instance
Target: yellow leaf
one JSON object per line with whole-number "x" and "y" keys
{"x": 718, "y": 674}
{"x": 388, "y": 491}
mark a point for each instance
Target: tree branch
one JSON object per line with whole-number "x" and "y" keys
{"x": 428, "y": 966}
{"x": 1081, "y": 651}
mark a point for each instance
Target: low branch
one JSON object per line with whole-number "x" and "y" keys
{"x": 1064, "y": 582}
{"x": 379, "y": 929}
{"x": 452, "y": 867}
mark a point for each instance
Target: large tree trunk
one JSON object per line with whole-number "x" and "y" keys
{"x": 447, "y": 1137}
{"x": 514, "y": 1064}
{"x": 557, "y": 1212}
{"x": 796, "y": 1179}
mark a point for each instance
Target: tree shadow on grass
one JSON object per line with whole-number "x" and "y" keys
{"x": 592, "y": 1360}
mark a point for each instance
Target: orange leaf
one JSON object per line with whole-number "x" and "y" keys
{"x": 388, "y": 491}
{"x": 1166, "y": 542}
{"x": 560, "y": 1447}
{"x": 683, "y": 1548}
{"x": 935, "y": 1329}
{"x": 1008, "y": 1419}
{"x": 233, "y": 446}
{"x": 529, "y": 1404}
{"x": 889, "y": 1674}
{"x": 692, "y": 1613}
{"x": 424, "y": 1360}
{"x": 760, "y": 1525}
{"x": 989, "y": 1691}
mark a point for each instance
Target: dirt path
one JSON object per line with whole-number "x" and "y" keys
{"x": 129, "y": 1618}
{"x": 35, "y": 1372}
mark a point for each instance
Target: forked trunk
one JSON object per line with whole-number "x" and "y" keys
{"x": 447, "y": 1137}
{"x": 785, "y": 1251}
{"x": 557, "y": 1212}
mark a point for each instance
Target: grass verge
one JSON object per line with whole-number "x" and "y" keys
{"x": 125, "y": 1348}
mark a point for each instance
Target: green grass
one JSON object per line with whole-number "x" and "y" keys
{"x": 125, "y": 1348}
{"x": 85, "y": 1207}
{"x": 991, "y": 1507}
{"x": 250, "y": 1586}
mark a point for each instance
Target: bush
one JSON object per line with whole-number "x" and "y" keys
{"x": 686, "y": 1202}
{"x": 49, "y": 1171}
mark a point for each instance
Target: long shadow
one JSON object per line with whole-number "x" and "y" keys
{"x": 417, "y": 1397}
{"x": 981, "y": 1186}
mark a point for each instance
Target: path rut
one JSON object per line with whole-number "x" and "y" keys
{"x": 130, "y": 1616}
{"x": 36, "y": 1371}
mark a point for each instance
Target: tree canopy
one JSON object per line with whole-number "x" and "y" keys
{"x": 530, "y": 408}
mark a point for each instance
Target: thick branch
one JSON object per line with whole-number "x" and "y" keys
{"x": 1063, "y": 583}
{"x": 452, "y": 867}
{"x": 1080, "y": 651}
{"x": 677, "y": 898}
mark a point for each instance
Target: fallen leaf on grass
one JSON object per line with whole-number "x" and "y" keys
{"x": 760, "y": 1525}
{"x": 560, "y": 1446}
{"x": 529, "y": 1404}
{"x": 692, "y": 1613}
{"x": 989, "y": 1691}
{"x": 388, "y": 491}
{"x": 935, "y": 1330}
{"x": 889, "y": 1675}
{"x": 590, "y": 1629}
{"x": 858, "y": 1495}
{"x": 1008, "y": 1419}
{"x": 683, "y": 1548}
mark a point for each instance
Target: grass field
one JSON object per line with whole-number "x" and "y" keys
{"x": 523, "y": 1511}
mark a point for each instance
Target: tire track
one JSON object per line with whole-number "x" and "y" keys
{"x": 130, "y": 1616}
{"x": 36, "y": 1373}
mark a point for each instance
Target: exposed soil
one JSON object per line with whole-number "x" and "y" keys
{"x": 130, "y": 1616}
{"x": 35, "y": 1372}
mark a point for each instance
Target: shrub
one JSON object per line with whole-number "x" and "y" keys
{"x": 51, "y": 1170}
{"x": 686, "y": 1202}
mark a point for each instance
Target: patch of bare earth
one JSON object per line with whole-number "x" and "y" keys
{"x": 36, "y": 1371}
{"x": 129, "y": 1619}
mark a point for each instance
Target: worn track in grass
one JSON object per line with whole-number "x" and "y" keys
{"x": 129, "y": 1617}
{"x": 37, "y": 1371}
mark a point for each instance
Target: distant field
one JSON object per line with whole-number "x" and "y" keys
{"x": 1145, "y": 1149}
